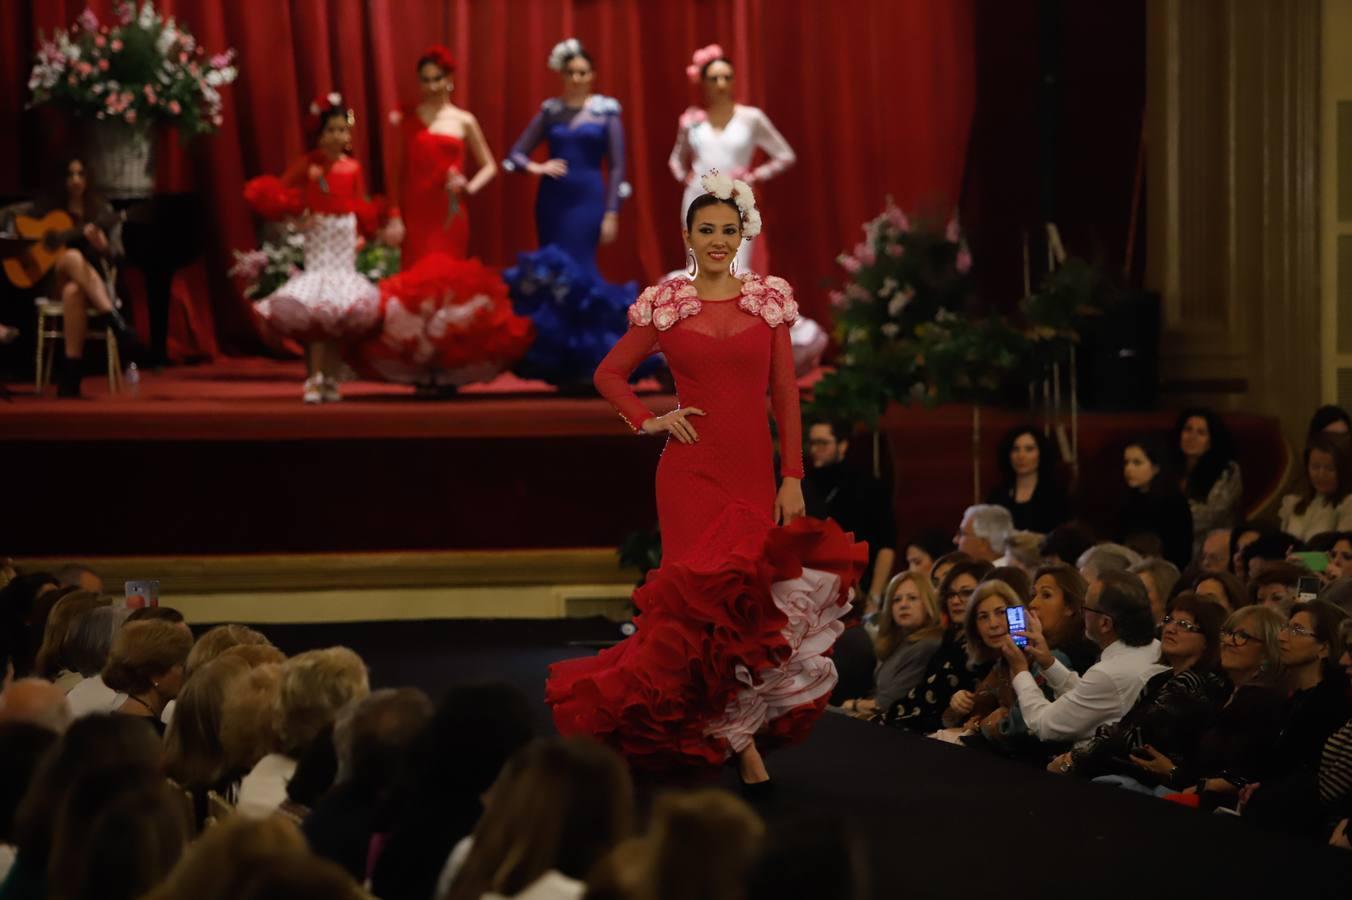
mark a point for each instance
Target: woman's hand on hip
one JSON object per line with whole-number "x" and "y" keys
{"x": 789, "y": 502}
{"x": 675, "y": 423}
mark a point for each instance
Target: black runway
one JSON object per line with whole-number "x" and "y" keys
{"x": 939, "y": 820}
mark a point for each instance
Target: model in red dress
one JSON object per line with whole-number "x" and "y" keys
{"x": 734, "y": 629}
{"x": 446, "y": 319}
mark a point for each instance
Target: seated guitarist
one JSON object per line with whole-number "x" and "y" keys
{"x": 77, "y": 277}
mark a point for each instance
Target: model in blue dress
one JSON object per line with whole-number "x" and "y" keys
{"x": 577, "y": 315}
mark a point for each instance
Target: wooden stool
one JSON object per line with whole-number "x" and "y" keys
{"x": 51, "y": 328}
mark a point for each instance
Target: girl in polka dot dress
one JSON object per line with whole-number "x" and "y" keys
{"x": 328, "y": 303}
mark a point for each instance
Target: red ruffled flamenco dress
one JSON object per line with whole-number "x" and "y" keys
{"x": 734, "y": 630}
{"x": 446, "y": 321}
{"x": 329, "y": 300}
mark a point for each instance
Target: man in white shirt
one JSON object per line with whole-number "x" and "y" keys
{"x": 1118, "y": 619}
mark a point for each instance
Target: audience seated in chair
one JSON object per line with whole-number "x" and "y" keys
{"x": 983, "y": 532}
{"x": 1325, "y": 502}
{"x": 314, "y": 687}
{"x": 146, "y": 664}
{"x": 910, "y": 629}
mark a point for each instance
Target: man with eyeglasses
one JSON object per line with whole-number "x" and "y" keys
{"x": 1118, "y": 619}
{"x": 853, "y": 498}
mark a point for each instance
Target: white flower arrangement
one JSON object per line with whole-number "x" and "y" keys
{"x": 739, "y": 192}
{"x": 558, "y": 57}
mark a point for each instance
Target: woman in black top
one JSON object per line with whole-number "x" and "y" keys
{"x": 1029, "y": 487}
{"x": 1153, "y": 503}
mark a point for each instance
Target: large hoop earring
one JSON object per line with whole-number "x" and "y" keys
{"x": 691, "y": 264}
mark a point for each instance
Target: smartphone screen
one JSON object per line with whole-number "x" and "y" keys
{"x": 1307, "y": 588}
{"x": 1017, "y": 619}
{"x": 140, "y": 594}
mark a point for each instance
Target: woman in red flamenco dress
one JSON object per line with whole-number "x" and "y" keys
{"x": 446, "y": 319}
{"x": 735, "y": 628}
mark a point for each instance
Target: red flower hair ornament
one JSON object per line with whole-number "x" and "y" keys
{"x": 440, "y": 56}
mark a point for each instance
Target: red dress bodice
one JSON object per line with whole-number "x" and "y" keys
{"x": 724, "y": 361}
{"x": 426, "y": 207}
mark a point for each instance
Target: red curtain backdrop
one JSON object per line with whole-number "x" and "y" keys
{"x": 876, "y": 97}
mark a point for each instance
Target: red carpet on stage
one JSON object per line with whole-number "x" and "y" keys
{"x": 226, "y": 459}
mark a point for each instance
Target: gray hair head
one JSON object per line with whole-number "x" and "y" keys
{"x": 994, "y": 523}
{"x": 91, "y": 637}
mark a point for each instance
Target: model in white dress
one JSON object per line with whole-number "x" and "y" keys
{"x": 724, "y": 135}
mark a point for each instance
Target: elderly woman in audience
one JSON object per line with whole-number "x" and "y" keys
{"x": 1029, "y": 485}
{"x": 146, "y": 664}
{"x": 910, "y": 630}
{"x": 1172, "y": 711}
{"x": 1210, "y": 476}
{"x": 1159, "y": 577}
{"x": 1326, "y": 502}
{"x": 194, "y": 755}
{"x": 1152, "y": 503}
{"x": 52, "y": 661}
{"x": 435, "y": 803}
{"x": 116, "y": 744}
{"x": 90, "y": 646}
{"x": 371, "y": 738}
{"x": 118, "y": 835}
{"x": 558, "y": 808}
{"x": 923, "y": 706}
{"x": 221, "y": 638}
{"x": 314, "y": 686}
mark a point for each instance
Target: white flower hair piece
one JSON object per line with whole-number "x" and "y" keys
{"x": 739, "y": 192}
{"x": 558, "y": 57}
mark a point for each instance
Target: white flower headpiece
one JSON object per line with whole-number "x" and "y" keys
{"x": 558, "y": 57}
{"x": 725, "y": 187}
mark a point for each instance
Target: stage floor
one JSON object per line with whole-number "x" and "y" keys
{"x": 936, "y": 820}
{"x": 256, "y": 398}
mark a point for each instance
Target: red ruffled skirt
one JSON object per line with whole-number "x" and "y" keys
{"x": 443, "y": 322}
{"x": 732, "y": 645}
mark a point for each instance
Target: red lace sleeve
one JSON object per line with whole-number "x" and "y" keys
{"x": 784, "y": 401}
{"x": 612, "y": 375}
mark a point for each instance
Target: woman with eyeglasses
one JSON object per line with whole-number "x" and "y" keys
{"x": 1237, "y": 745}
{"x": 947, "y": 673}
{"x": 1173, "y": 709}
{"x": 1312, "y": 643}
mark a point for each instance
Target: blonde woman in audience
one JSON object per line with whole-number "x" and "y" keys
{"x": 909, "y": 632}
{"x": 559, "y": 807}
{"x": 50, "y": 662}
{"x": 314, "y": 686}
{"x": 249, "y": 722}
{"x": 1159, "y": 577}
{"x": 193, "y": 753}
{"x": 221, "y": 638}
{"x": 146, "y": 664}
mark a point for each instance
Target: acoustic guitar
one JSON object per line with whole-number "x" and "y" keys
{"x": 38, "y": 246}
